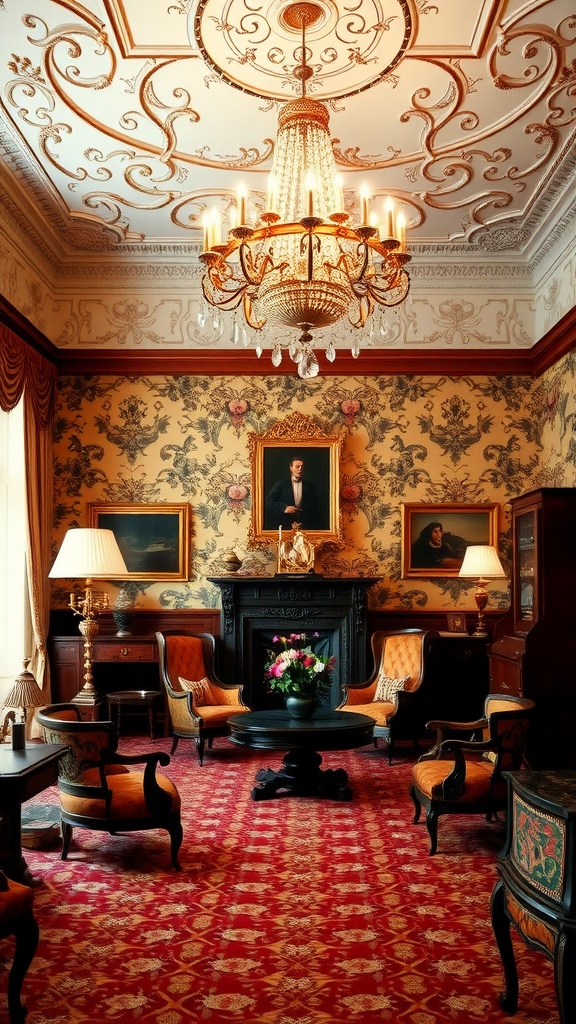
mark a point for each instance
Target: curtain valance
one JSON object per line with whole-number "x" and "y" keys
{"x": 21, "y": 367}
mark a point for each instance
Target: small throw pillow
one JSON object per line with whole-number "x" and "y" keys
{"x": 199, "y": 688}
{"x": 387, "y": 689}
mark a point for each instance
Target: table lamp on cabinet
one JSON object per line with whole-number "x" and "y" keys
{"x": 481, "y": 562}
{"x": 90, "y": 554}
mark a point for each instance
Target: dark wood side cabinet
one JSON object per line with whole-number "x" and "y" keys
{"x": 534, "y": 651}
{"x": 536, "y": 889}
{"x": 454, "y": 688}
{"x": 118, "y": 663}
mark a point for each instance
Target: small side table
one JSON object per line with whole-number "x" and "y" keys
{"x": 536, "y": 891}
{"x": 143, "y": 700}
{"x": 23, "y": 774}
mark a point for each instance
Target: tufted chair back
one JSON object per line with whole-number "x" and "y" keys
{"x": 199, "y": 704}
{"x": 399, "y": 660}
{"x": 188, "y": 657}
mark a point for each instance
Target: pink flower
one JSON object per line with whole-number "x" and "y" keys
{"x": 237, "y": 492}
{"x": 350, "y": 407}
{"x": 237, "y": 406}
{"x": 351, "y": 492}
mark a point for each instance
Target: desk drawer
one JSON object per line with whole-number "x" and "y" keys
{"x": 124, "y": 652}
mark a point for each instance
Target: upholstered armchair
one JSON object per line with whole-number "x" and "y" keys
{"x": 17, "y": 919}
{"x": 199, "y": 704}
{"x": 399, "y": 660}
{"x": 464, "y": 776}
{"x": 98, "y": 787}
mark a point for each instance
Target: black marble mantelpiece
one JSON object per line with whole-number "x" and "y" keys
{"x": 254, "y": 608}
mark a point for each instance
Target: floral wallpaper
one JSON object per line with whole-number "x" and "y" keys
{"x": 405, "y": 439}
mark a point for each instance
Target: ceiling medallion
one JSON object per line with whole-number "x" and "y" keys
{"x": 307, "y": 263}
{"x": 255, "y": 50}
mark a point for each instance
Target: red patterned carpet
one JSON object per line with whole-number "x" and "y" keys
{"x": 289, "y": 911}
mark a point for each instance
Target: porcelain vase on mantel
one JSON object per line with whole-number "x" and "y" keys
{"x": 301, "y": 707}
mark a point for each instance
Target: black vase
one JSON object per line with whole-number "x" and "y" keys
{"x": 301, "y": 707}
{"x": 122, "y": 620}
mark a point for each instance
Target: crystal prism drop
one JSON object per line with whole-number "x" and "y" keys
{"x": 276, "y": 355}
{"x": 330, "y": 352}
{"x": 355, "y": 348}
{"x": 308, "y": 365}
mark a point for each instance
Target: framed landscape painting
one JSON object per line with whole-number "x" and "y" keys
{"x": 154, "y": 538}
{"x": 435, "y": 537}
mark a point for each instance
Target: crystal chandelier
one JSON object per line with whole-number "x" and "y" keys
{"x": 305, "y": 265}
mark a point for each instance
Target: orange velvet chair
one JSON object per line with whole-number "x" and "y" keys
{"x": 98, "y": 788}
{"x": 399, "y": 660}
{"x": 17, "y": 919}
{"x": 464, "y": 776}
{"x": 199, "y": 704}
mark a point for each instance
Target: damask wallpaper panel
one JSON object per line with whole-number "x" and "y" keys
{"x": 405, "y": 439}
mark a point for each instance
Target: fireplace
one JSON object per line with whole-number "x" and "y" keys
{"x": 254, "y": 609}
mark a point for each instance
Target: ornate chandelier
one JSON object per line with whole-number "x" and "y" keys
{"x": 305, "y": 264}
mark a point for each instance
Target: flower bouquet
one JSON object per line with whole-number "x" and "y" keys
{"x": 296, "y": 671}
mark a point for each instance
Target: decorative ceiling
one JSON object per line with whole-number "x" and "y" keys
{"x": 122, "y": 121}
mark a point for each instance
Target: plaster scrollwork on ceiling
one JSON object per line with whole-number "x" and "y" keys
{"x": 150, "y": 148}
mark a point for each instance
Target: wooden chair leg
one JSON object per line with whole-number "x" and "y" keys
{"x": 200, "y": 750}
{"x": 432, "y": 826}
{"x": 66, "y": 839}
{"x": 25, "y": 931}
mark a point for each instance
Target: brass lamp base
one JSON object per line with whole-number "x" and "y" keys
{"x": 481, "y": 598}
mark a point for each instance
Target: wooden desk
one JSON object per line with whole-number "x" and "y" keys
{"x": 23, "y": 774}
{"x": 536, "y": 890}
{"x": 301, "y": 774}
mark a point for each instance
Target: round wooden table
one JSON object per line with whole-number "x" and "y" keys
{"x": 301, "y": 774}
{"x": 146, "y": 700}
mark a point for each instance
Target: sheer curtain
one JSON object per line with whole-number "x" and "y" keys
{"x": 26, "y": 374}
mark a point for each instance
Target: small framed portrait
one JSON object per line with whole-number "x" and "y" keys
{"x": 154, "y": 538}
{"x": 435, "y": 537}
{"x": 295, "y": 479}
{"x": 456, "y": 622}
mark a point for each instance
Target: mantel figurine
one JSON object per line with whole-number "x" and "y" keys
{"x": 295, "y": 555}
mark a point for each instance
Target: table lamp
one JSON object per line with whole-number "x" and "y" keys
{"x": 481, "y": 562}
{"x": 93, "y": 554}
{"x": 24, "y": 694}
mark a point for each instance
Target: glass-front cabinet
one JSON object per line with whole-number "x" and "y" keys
{"x": 534, "y": 649}
{"x": 525, "y": 562}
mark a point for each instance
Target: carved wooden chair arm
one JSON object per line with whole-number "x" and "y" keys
{"x": 452, "y": 787}
{"x": 441, "y": 728}
{"x": 156, "y": 798}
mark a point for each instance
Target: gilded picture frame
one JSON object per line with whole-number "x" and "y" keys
{"x": 461, "y": 525}
{"x": 296, "y": 437}
{"x": 154, "y": 538}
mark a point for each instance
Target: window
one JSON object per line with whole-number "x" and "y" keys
{"x": 13, "y": 596}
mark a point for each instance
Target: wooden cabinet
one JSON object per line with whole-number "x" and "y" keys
{"x": 534, "y": 650}
{"x": 535, "y": 891}
{"x": 118, "y": 663}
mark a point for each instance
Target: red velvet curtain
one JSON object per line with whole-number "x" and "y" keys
{"x": 22, "y": 368}
{"x": 26, "y": 374}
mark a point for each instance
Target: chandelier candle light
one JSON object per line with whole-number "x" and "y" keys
{"x": 305, "y": 264}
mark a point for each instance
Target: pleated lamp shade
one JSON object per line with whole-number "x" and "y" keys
{"x": 90, "y": 554}
{"x": 481, "y": 561}
{"x": 25, "y": 693}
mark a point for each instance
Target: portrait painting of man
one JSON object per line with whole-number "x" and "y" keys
{"x": 297, "y": 488}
